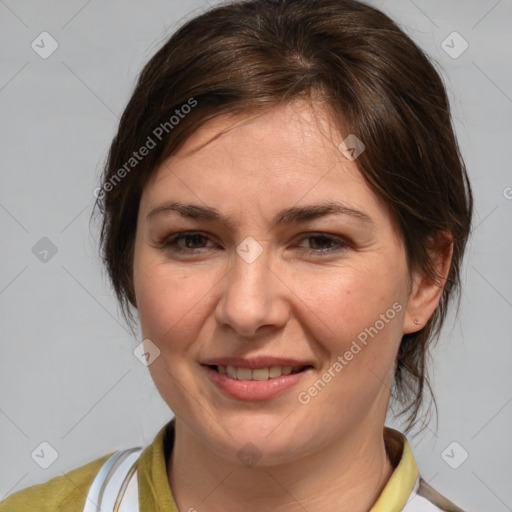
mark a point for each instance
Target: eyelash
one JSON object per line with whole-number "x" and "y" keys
{"x": 171, "y": 243}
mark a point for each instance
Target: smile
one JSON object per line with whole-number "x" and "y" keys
{"x": 272, "y": 372}
{"x": 264, "y": 383}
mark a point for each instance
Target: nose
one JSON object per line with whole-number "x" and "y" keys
{"x": 253, "y": 298}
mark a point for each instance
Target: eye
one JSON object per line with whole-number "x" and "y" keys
{"x": 191, "y": 240}
{"x": 195, "y": 242}
{"x": 321, "y": 239}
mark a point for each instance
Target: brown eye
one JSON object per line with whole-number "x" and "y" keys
{"x": 193, "y": 242}
{"x": 322, "y": 243}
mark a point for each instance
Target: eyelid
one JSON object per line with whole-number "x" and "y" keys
{"x": 342, "y": 243}
{"x": 182, "y": 235}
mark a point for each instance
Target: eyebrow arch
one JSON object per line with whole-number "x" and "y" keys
{"x": 291, "y": 215}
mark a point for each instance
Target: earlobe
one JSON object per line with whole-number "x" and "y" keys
{"x": 427, "y": 289}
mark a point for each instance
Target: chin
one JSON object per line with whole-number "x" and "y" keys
{"x": 252, "y": 439}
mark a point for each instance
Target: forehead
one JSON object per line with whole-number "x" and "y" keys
{"x": 285, "y": 155}
{"x": 294, "y": 123}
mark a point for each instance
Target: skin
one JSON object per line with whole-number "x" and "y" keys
{"x": 292, "y": 301}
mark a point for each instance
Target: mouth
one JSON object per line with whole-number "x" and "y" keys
{"x": 264, "y": 379}
{"x": 257, "y": 374}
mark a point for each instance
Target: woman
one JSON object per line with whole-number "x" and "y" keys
{"x": 286, "y": 209}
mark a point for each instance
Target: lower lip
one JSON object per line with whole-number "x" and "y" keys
{"x": 253, "y": 389}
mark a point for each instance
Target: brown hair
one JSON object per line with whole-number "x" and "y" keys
{"x": 246, "y": 56}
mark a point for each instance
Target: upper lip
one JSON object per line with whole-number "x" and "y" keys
{"x": 254, "y": 362}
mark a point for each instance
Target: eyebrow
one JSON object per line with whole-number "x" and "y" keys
{"x": 291, "y": 215}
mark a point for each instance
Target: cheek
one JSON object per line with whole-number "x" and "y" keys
{"x": 169, "y": 302}
{"x": 350, "y": 302}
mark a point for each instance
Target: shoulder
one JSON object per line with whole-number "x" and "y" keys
{"x": 63, "y": 493}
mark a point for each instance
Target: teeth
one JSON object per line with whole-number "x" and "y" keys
{"x": 258, "y": 373}
{"x": 275, "y": 371}
{"x": 243, "y": 374}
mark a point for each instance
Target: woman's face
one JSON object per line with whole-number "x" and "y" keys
{"x": 326, "y": 294}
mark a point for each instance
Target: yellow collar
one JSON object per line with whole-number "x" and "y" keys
{"x": 401, "y": 484}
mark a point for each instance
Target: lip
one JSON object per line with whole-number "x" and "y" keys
{"x": 253, "y": 389}
{"x": 255, "y": 362}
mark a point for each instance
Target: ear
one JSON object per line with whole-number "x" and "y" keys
{"x": 426, "y": 292}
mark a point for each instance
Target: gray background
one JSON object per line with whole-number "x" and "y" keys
{"x": 68, "y": 375}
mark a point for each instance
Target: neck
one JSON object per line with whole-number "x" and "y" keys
{"x": 349, "y": 476}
